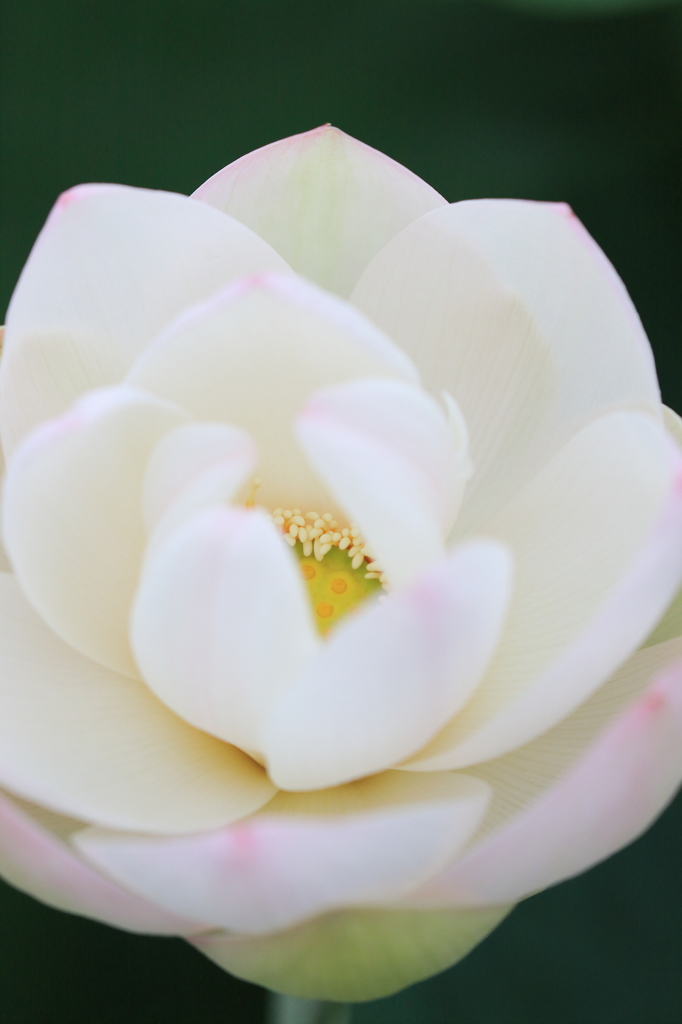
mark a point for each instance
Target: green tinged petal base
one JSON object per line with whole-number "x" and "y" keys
{"x": 354, "y": 955}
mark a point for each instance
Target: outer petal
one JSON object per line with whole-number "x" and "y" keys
{"x": 112, "y": 266}
{"x": 354, "y": 955}
{"x": 252, "y": 355}
{"x": 610, "y": 797}
{"x": 323, "y": 200}
{"x": 37, "y": 861}
{"x": 72, "y": 517}
{"x": 89, "y": 743}
{"x": 511, "y": 307}
{"x": 389, "y": 455}
{"x": 598, "y": 541}
{"x": 221, "y": 624}
{"x": 271, "y": 872}
{"x": 388, "y": 679}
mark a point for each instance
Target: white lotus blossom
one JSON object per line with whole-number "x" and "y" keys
{"x": 344, "y": 529}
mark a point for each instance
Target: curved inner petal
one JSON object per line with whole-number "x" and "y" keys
{"x": 323, "y": 200}
{"x": 87, "y": 742}
{"x": 221, "y": 624}
{"x": 390, "y": 676}
{"x": 390, "y": 456}
{"x": 112, "y": 266}
{"x": 72, "y": 517}
{"x": 252, "y": 356}
{"x": 511, "y": 307}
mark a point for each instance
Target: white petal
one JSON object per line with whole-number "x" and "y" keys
{"x": 273, "y": 871}
{"x": 608, "y": 798}
{"x": 251, "y": 357}
{"x": 388, "y": 453}
{"x": 72, "y": 517}
{"x": 112, "y": 266}
{"x": 392, "y": 675}
{"x": 511, "y": 307}
{"x": 323, "y": 200}
{"x": 87, "y": 742}
{"x": 597, "y": 539}
{"x": 221, "y": 624}
{"x": 37, "y": 861}
{"x": 195, "y": 465}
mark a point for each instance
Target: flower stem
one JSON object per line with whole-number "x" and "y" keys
{"x": 290, "y": 1010}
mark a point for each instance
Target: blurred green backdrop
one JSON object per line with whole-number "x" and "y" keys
{"x": 480, "y": 101}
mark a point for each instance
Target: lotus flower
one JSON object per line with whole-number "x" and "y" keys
{"x": 343, "y": 526}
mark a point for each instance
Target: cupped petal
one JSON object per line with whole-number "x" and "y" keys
{"x": 272, "y": 871}
{"x": 390, "y": 456}
{"x": 112, "y": 266}
{"x": 605, "y": 801}
{"x": 221, "y": 624}
{"x": 597, "y": 539}
{"x": 36, "y": 860}
{"x": 353, "y": 955}
{"x": 87, "y": 742}
{"x": 72, "y": 517}
{"x": 511, "y": 307}
{"x": 193, "y": 466}
{"x": 323, "y": 200}
{"x": 252, "y": 355}
{"x": 391, "y": 676}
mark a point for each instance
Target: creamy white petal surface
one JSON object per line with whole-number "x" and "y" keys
{"x": 41, "y": 863}
{"x": 112, "y": 266}
{"x": 388, "y": 453}
{"x": 251, "y": 357}
{"x": 95, "y": 745}
{"x": 388, "y": 679}
{"x": 513, "y": 308}
{"x": 72, "y": 517}
{"x": 221, "y": 624}
{"x": 326, "y": 202}
{"x": 597, "y": 539}
{"x": 272, "y": 871}
{"x": 611, "y": 795}
{"x": 193, "y": 466}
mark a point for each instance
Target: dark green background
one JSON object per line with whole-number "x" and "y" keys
{"x": 480, "y": 101}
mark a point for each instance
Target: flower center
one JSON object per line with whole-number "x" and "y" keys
{"x": 339, "y": 569}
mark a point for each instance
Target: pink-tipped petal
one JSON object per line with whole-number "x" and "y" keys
{"x": 38, "y": 862}
{"x": 72, "y": 517}
{"x": 511, "y": 307}
{"x": 221, "y": 624}
{"x": 323, "y": 200}
{"x": 604, "y": 802}
{"x": 389, "y": 454}
{"x": 272, "y": 871}
{"x": 391, "y": 676}
{"x": 112, "y": 266}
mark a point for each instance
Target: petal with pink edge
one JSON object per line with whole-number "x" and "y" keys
{"x": 84, "y": 741}
{"x": 36, "y": 860}
{"x": 597, "y": 538}
{"x": 221, "y": 624}
{"x": 604, "y": 802}
{"x": 323, "y": 200}
{"x": 112, "y": 266}
{"x": 252, "y": 355}
{"x": 511, "y": 307}
{"x": 392, "y": 675}
{"x": 72, "y": 517}
{"x": 271, "y": 872}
